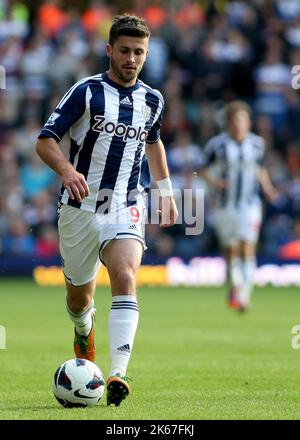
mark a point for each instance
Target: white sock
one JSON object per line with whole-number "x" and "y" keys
{"x": 236, "y": 272}
{"x": 123, "y": 321}
{"x": 249, "y": 266}
{"x": 83, "y": 321}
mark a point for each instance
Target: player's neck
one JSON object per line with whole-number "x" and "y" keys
{"x": 239, "y": 138}
{"x": 113, "y": 77}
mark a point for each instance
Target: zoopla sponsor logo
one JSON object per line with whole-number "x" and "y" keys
{"x": 126, "y": 132}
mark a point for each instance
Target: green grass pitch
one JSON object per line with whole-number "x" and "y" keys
{"x": 193, "y": 358}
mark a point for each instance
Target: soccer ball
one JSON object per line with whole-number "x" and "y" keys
{"x": 78, "y": 383}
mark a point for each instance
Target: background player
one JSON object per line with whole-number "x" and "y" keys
{"x": 240, "y": 172}
{"x": 114, "y": 124}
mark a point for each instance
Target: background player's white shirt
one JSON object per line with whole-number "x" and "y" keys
{"x": 109, "y": 126}
{"x": 236, "y": 163}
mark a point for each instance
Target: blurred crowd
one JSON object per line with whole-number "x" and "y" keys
{"x": 203, "y": 54}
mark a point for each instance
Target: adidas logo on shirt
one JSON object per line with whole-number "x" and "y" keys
{"x": 125, "y": 347}
{"x": 132, "y": 226}
{"x": 126, "y": 101}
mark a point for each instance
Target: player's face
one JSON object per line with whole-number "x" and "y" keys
{"x": 239, "y": 125}
{"x": 127, "y": 56}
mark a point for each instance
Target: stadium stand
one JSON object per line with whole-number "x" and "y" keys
{"x": 224, "y": 50}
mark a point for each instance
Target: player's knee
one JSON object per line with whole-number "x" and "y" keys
{"x": 78, "y": 305}
{"x": 125, "y": 279}
{"x": 248, "y": 250}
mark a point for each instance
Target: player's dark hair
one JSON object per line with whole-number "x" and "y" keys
{"x": 235, "y": 107}
{"x": 128, "y": 25}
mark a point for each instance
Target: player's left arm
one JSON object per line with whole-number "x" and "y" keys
{"x": 266, "y": 184}
{"x": 157, "y": 161}
{"x": 263, "y": 175}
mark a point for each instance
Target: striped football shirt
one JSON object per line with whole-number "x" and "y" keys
{"x": 236, "y": 163}
{"x": 109, "y": 126}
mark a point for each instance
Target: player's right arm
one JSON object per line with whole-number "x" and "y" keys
{"x": 68, "y": 111}
{"x": 49, "y": 151}
{"x": 217, "y": 184}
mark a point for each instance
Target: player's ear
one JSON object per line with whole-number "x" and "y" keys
{"x": 108, "y": 50}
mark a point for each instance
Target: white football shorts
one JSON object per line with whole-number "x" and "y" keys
{"x": 236, "y": 224}
{"x": 83, "y": 236}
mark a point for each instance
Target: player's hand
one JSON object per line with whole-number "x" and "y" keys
{"x": 168, "y": 212}
{"x": 75, "y": 185}
{"x": 272, "y": 195}
{"x": 217, "y": 184}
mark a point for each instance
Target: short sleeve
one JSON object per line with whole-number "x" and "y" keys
{"x": 208, "y": 154}
{"x": 154, "y": 132}
{"x": 260, "y": 147}
{"x": 68, "y": 111}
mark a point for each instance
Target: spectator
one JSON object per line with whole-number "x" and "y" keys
{"x": 18, "y": 240}
{"x": 47, "y": 243}
{"x": 35, "y": 177}
{"x": 223, "y": 51}
{"x": 273, "y": 80}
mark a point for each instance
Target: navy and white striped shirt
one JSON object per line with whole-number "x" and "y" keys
{"x": 109, "y": 126}
{"x": 237, "y": 163}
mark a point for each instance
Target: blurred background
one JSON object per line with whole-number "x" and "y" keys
{"x": 203, "y": 54}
